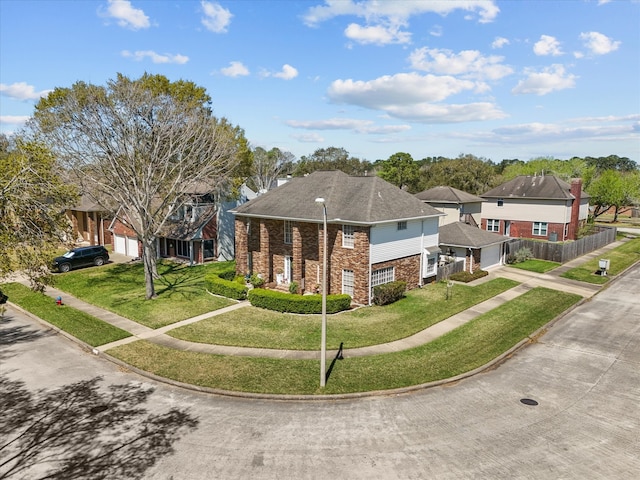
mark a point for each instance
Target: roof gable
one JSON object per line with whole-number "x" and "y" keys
{"x": 446, "y": 194}
{"x": 365, "y": 200}
{"x": 458, "y": 234}
{"x": 534, "y": 186}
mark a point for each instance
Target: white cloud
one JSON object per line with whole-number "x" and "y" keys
{"x": 469, "y": 63}
{"x": 309, "y": 138}
{"x": 287, "y": 73}
{"x": 140, "y": 55}
{"x": 377, "y": 34}
{"x": 499, "y": 42}
{"x": 599, "y": 44}
{"x": 447, "y": 113}
{"x": 551, "y": 79}
{"x": 14, "y": 119}
{"x": 396, "y": 12}
{"x": 126, "y": 15}
{"x": 235, "y": 69}
{"x": 22, "y": 91}
{"x": 359, "y": 126}
{"x": 547, "y": 45}
{"x": 436, "y": 31}
{"x": 216, "y": 18}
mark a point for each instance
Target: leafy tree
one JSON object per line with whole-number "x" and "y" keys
{"x": 614, "y": 189}
{"x": 33, "y": 199}
{"x": 138, "y": 146}
{"x": 467, "y": 173}
{"x": 268, "y": 166}
{"x": 612, "y": 162}
{"x": 331, "y": 158}
{"x": 564, "y": 169}
{"x": 400, "y": 170}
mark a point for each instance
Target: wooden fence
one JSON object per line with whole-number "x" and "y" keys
{"x": 564, "y": 252}
{"x": 448, "y": 269}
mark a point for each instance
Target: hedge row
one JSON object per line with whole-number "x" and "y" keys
{"x": 286, "y": 302}
{"x": 467, "y": 277}
{"x": 226, "y": 288}
{"x": 389, "y": 292}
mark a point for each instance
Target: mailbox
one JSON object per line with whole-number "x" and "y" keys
{"x": 604, "y": 264}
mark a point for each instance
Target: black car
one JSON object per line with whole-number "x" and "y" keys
{"x": 81, "y": 257}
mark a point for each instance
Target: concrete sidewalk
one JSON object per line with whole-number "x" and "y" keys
{"x": 528, "y": 280}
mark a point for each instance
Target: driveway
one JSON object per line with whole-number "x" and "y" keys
{"x": 584, "y": 373}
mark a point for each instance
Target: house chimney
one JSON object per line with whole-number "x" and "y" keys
{"x": 576, "y": 191}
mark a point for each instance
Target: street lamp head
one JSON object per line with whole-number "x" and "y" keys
{"x": 320, "y": 200}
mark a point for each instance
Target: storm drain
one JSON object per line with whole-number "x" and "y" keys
{"x": 529, "y": 401}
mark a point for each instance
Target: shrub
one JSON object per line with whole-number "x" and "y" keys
{"x": 285, "y": 302}
{"x": 389, "y": 292}
{"x": 523, "y": 254}
{"x": 293, "y": 287}
{"x": 228, "y": 275}
{"x": 226, "y": 288}
{"x": 256, "y": 281}
{"x": 468, "y": 277}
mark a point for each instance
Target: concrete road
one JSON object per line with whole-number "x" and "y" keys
{"x": 584, "y": 373}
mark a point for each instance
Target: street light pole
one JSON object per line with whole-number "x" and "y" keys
{"x": 323, "y": 335}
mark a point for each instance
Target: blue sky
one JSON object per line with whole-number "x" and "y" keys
{"x": 496, "y": 79}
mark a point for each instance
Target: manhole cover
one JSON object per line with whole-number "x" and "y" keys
{"x": 528, "y": 401}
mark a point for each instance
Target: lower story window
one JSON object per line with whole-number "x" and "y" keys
{"x": 182, "y": 248}
{"x": 540, "y": 229}
{"x": 348, "y": 282}
{"x": 384, "y": 275}
{"x": 209, "y": 249}
{"x": 493, "y": 225}
{"x": 431, "y": 264}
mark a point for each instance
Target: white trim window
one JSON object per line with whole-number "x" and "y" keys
{"x": 348, "y": 236}
{"x": 402, "y": 225}
{"x": 288, "y": 231}
{"x": 493, "y": 225}
{"x": 382, "y": 276}
{"x": 540, "y": 229}
{"x": 348, "y": 282}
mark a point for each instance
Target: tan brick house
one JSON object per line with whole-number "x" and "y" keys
{"x": 376, "y": 233}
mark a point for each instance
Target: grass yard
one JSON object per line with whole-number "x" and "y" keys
{"x": 535, "y": 265}
{"x": 421, "y": 308}
{"x": 621, "y": 258}
{"x": 75, "y": 322}
{"x": 120, "y": 288}
{"x": 461, "y": 350}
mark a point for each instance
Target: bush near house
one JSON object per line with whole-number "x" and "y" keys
{"x": 226, "y": 288}
{"x": 522, "y": 255}
{"x": 389, "y": 292}
{"x": 286, "y": 302}
{"x": 467, "y": 277}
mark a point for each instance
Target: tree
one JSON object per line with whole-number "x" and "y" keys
{"x": 331, "y": 158}
{"x": 400, "y": 170}
{"x": 614, "y": 189}
{"x": 136, "y": 147}
{"x": 564, "y": 169}
{"x": 612, "y": 162}
{"x": 33, "y": 199}
{"x": 467, "y": 173}
{"x": 268, "y": 166}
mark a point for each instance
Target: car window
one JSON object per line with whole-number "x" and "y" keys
{"x": 69, "y": 254}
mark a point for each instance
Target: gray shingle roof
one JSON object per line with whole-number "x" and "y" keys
{"x": 363, "y": 200}
{"x": 527, "y": 186}
{"x": 460, "y": 234}
{"x": 446, "y": 194}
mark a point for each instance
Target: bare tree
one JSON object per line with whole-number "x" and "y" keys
{"x": 137, "y": 147}
{"x": 268, "y": 166}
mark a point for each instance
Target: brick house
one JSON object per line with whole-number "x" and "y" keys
{"x": 539, "y": 207}
{"x": 89, "y": 223}
{"x": 376, "y": 233}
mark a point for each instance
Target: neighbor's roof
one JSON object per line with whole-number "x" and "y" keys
{"x": 459, "y": 234}
{"x": 364, "y": 200}
{"x": 536, "y": 186}
{"x": 445, "y": 194}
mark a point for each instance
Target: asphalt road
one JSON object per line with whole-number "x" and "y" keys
{"x": 584, "y": 373}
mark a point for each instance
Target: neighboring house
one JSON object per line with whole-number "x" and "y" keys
{"x": 201, "y": 230}
{"x": 377, "y": 233}
{"x": 478, "y": 248}
{"x": 539, "y": 207}
{"x": 458, "y": 206}
{"x": 89, "y": 223}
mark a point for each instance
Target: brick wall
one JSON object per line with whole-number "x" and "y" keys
{"x": 520, "y": 229}
{"x": 407, "y": 269}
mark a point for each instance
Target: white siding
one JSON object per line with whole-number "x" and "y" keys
{"x": 389, "y": 243}
{"x": 551, "y": 211}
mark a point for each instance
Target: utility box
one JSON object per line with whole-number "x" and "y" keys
{"x": 604, "y": 266}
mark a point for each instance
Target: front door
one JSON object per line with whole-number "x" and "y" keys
{"x": 288, "y": 269}
{"x": 507, "y": 228}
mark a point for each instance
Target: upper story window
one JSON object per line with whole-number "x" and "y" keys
{"x": 402, "y": 225}
{"x": 500, "y": 202}
{"x": 540, "y": 229}
{"x": 288, "y": 231}
{"x": 348, "y": 236}
{"x": 493, "y": 225}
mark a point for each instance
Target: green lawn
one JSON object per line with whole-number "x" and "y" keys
{"x": 120, "y": 288}
{"x": 465, "y": 348}
{"x": 421, "y": 308}
{"x": 535, "y": 265}
{"x": 75, "y": 322}
{"x": 620, "y": 258}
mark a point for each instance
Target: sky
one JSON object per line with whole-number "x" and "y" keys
{"x": 495, "y": 79}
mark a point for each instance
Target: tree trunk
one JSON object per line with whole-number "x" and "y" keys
{"x": 150, "y": 271}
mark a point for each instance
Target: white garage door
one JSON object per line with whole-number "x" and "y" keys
{"x": 120, "y": 245}
{"x": 490, "y": 256}
{"x": 132, "y": 247}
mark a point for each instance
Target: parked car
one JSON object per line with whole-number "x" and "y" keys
{"x": 81, "y": 257}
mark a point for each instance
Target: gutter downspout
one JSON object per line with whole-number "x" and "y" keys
{"x": 471, "y": 261}
{"x": 420, "y": 279}
{"x": 370, "y": 294}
